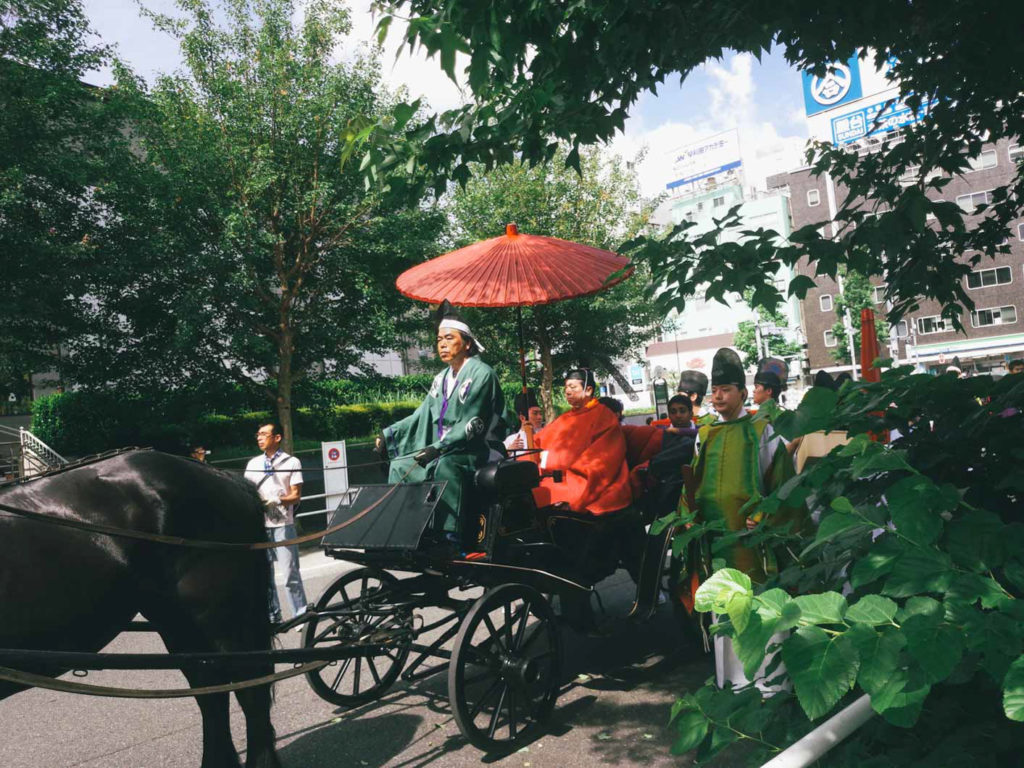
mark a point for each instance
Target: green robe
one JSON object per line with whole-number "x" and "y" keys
{"x": 726, "y": 471}
{"x": 477, "y": 394}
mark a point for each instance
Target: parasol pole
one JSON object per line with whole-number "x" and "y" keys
{"x": 522, "y": 347}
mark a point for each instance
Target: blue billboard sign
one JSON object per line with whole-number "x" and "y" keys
{"x": 873, "y": 119}
{"x": 840, "y": 84}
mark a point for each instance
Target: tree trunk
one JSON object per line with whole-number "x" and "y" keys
{"x": 547, "y": 376}
{"x": 285, "y": 378}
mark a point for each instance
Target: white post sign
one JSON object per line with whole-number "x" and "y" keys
{"x": 335, "y": 463}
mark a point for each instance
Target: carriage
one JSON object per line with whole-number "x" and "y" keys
{"x": 502, "y": 649}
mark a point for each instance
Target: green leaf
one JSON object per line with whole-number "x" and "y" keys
{"x": 751, "y": 643}
{"x": 875, "y": 462}
{"x": 814, "y": 413}
{"x": 692, "y": 727}
{"x": 906, "y": 706}
{"x": 935, "y": 645}
{"x": 878, "y": 562}
{"x": 916, "y": 504}
{"x": 872, "y": 610}
{"x": 715, "y": 593}
{"x": 1013, "y": 691}
{"x": 824, "y": 608}
{"x": 919, "y": 570}
{"x": 880, "y": 673}
{"x": 822, "y": 668}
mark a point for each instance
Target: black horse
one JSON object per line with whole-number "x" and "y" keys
{"x": 65, "y": 589}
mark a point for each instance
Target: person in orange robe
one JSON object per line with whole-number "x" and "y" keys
{"x": 587, "y": 445}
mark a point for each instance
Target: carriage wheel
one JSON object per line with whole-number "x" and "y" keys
{"x": 360, "y": 602}
{"x": 504, "y": 674}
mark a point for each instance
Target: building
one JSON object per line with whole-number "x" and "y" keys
{"x": 842, "y": 108}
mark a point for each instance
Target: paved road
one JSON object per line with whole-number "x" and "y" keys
{"x": 612, "y": 711}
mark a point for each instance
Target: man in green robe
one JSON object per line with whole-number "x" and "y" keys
{"x": 447, "y": 437}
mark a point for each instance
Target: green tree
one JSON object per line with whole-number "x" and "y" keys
{"x": 745, "y": 339}
{"x": 857, "y": 294}
{"x": 58, "y": 138}
{"x": 245, "y": 244}
{"x": 542, "y": 73}
{"x": 600, "y": 206}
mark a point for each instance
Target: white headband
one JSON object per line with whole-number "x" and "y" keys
{"x": 458, "y": 325}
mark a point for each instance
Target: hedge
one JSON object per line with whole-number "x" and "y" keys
{"x": 82, "y": 423}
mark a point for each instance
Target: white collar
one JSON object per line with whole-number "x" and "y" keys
{"x": 740, "y": 415}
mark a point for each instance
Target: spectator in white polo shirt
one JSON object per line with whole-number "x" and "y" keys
{"x": 278, "y": 478}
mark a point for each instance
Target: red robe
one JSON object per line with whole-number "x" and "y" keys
{"x": 588, "y": 446}
{"x": 642, "y": 444}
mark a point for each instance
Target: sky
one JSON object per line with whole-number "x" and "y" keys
{"x": 762, "y": 99}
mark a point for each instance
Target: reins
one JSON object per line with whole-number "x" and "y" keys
{"x": 180, "y": 541}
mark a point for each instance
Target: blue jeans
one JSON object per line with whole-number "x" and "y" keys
{"x": 289, "y": 559}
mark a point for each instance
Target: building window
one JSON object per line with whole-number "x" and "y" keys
{"x": 825, "y": 302}
{"x": 830, "y": 339}
{"x": 700, "y": 207}
{"x": 969, "y": 202}
{"x": 878, "y": 294}
{"x": 994, "y": 316}
{"x": 718, "y": 202}
{"x": 932, "y": 324}
{"x": 813, "y": 198}
{"x": 987, "y": 159}
{"x": 1016, "y": 153}
{"x": 1020, "y": 232}
{"x": 901, "y": 329}
{"x": 983, "y": 278}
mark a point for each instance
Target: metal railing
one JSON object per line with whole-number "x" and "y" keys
{"x": 37, "y": 456}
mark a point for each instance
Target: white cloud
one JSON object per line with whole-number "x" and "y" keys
{"x": 731, "y": 103}
{"x": 421, "y": 75}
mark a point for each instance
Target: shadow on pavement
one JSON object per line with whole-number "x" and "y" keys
{"x": 352, "y": 743}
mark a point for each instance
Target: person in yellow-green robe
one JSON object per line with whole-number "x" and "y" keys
{"x": 738, "y": 460}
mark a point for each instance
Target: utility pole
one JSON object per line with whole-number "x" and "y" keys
{"x": 830, "y": 194}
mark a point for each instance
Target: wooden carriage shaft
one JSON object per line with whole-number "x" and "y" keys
{"x": 96, "y": 661}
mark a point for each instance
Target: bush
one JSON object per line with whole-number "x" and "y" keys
{"x": 82, "y": 423}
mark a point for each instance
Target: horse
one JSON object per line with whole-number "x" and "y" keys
{"x": 63, "y": 589}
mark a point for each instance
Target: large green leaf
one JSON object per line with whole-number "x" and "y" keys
{"x": 872, "y": 610}
{"x": 936, "y": 645}
{"x": 824, "y": 608}
{"x": 919, "y": 570}
{"x": 822, "y": 668}
{"x": 880, "y": 673}
{"x": 877, "y": 562}
{"x": 692, "y": 727}
{"x": 916, "y": 504}
{"x": 814, "y": 413}
{"x": 724, "y": 584}
{"x": 777, "y": 605}
{"x": 977, "y": 541}
{"x": 1013, "y": 691}
{"x": 751, "y": 643}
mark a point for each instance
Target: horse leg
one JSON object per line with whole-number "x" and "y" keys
{"x": 259, "y": 731}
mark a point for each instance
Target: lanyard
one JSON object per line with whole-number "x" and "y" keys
{"x": 444, "y": 404}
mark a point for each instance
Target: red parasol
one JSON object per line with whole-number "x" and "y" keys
{"x": 514, "y": 270}
{"x": 869, "y": 351}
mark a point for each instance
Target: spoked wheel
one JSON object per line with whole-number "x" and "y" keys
{"x": 358, "y": 609}
{"x": 504, "y": 674}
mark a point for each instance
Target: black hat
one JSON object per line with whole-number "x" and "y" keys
{"x": 726, "y": 368}
{"x": 771, "y": 372}
{"x": 448, "y": 317}
{"x": 525, "y": 401}
{"x": 584, "y": 375}
{"x": 823, "y": 379}
{"x": 693, "y": 381}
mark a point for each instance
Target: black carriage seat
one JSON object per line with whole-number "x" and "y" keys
{"x": 504, "y": 504}
{"x": 507, "y": 477}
